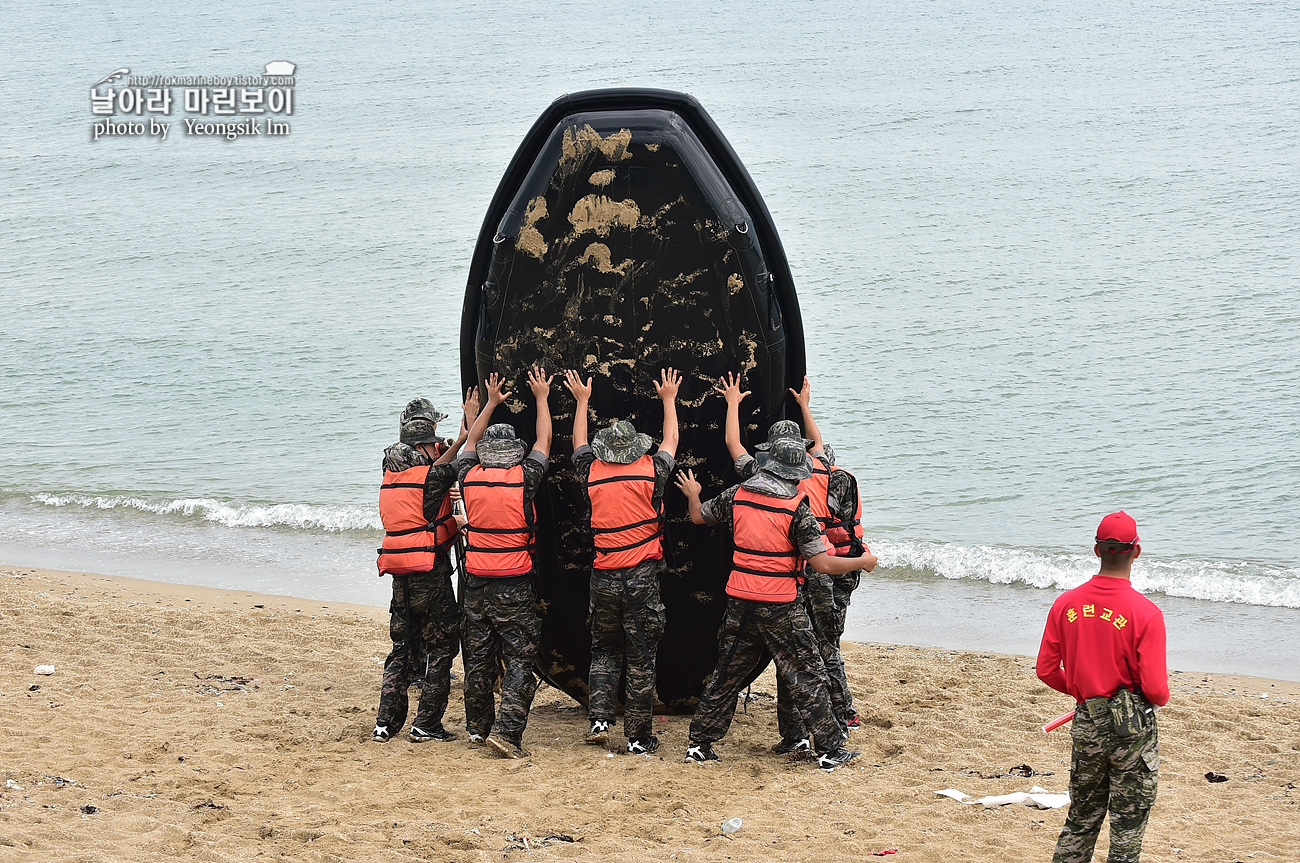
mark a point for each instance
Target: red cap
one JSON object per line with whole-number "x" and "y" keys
{"x": 1118, "y": 527}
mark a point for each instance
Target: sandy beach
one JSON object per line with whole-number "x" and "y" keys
{"x": 200, "y": 724}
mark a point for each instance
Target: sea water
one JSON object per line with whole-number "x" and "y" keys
{"x": 1046, "y": 257}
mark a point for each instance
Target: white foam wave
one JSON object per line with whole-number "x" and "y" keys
{"x": 1214, "y": 581}
{"x": 295, "y": 515}
{"x": 1249, "y": 583}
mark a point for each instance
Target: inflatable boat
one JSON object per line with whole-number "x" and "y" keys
{"x": 625, "y": 237}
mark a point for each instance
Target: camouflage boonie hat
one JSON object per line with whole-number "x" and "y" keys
{"x": 788, "y": 460}
{"x": 621, "y": 443}
{"x": 771, "y": 484}
{"x": 422, "y": 409}
{"x": 501, "y": 447}
{"x": 781, "y": 430}
{"x": 418, "y": 423}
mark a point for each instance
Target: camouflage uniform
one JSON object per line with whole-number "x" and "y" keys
{"x": 784, "y": 629}
{"x": 428, "y": 599}
{"x": 437, "y": 620}
{"x": 627, "y": 620}
{"x": 843, "y": 502}
{"x": 826, "y": 600}
{"x": 1108, "y": 772}
{"x": 818, "y": 595}
{"x": 502, "y": 625}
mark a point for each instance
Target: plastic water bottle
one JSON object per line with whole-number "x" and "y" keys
{"x": 731, "y": 825}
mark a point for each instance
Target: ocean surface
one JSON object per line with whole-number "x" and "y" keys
{"x": 1048, "y": 259}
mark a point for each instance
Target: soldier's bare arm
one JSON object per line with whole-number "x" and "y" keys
{"x": 670, "y": 381}
{"x": 494, "y": 385}
{"x": 730, "y": 389}
{"x": 804, "y": 397}
{"x": 540, "y": 384}
{"x": 582, "y": 395}
{"x": 685, "y": 480}
{"x": 469, "y": 409}
{"x": 829, "y": 565}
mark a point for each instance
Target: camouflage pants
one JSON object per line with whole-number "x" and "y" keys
{"x": 827, "y": 606}
{"x": 627, "y": 620}
{"x": 1108, "y": 773}
{"x": 844, "y": 586}
{"x": 501, "y": 626}
{"x": 784, "y": 629}
{"x": 436, "y": 618}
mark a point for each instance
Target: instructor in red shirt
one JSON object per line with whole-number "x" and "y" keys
{"x": 1104, "y": 645}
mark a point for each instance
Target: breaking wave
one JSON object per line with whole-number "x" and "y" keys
{"x": 1214, "y": 581}
{"x": 294, "y": 515}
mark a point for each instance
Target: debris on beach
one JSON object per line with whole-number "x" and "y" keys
{"x": 89, "y": 809}
{"x": 1021, "y": 770}
{"x": 208, "y": 804}
{"x": 1037, "y": 797}
{"x": 1026, "y": 771}
{"x": 521, "y": 842}
{"x": 1215, "y": 777}
{"x": 235, "y": 683}
{"x": 43, "y": 669}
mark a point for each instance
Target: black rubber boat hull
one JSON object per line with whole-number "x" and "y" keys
{"x": 625, "y": 237}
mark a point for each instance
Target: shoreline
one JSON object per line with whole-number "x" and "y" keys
{"x": 175, "y": 593}
{"x": 892, "y": 611}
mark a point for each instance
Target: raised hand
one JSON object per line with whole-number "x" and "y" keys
{"x": 729, "y": 386}
{"x": 670, "y": 380}
{"x": 581, "y": 392}
{"x": 471, "y": 407}
{"x": 495, "y": 384}
{"x": 685, "y": 480}
{"x": 804, "y": 395}
{"x": 539, "y": 383}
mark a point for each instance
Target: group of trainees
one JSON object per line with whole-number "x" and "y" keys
{"x": 795, "y": 519}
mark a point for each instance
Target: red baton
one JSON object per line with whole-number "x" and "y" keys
{"x": 1058, "y": 722}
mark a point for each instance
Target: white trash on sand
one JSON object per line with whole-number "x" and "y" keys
{"x": 43, "y": 669}
{"x": 1039, "y": 798}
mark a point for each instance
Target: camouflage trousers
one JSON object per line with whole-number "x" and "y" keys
{"x": 1108, "y": 773}
{"x": 826, "y": 599}
{"x": 783, "y": 628}
{"x": 424, "y": 659}
{"x": 627, "y": 620}
{"x": 502, "y": 627}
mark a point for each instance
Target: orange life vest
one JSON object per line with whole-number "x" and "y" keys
{"x": 765, "y": 566}
{"x": 846, "y": 532}
{"x": 626, "y": 524}
{"x": 499, "y": 541}
{"x": 818, "y": 489}
{"x": 411, "y": 543}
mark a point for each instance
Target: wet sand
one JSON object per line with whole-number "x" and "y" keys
{"x": 193, "y": 723}
{"x": 930, "y": 611}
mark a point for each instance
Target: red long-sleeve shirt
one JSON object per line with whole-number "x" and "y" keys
{"x": 1107, "y": 636}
